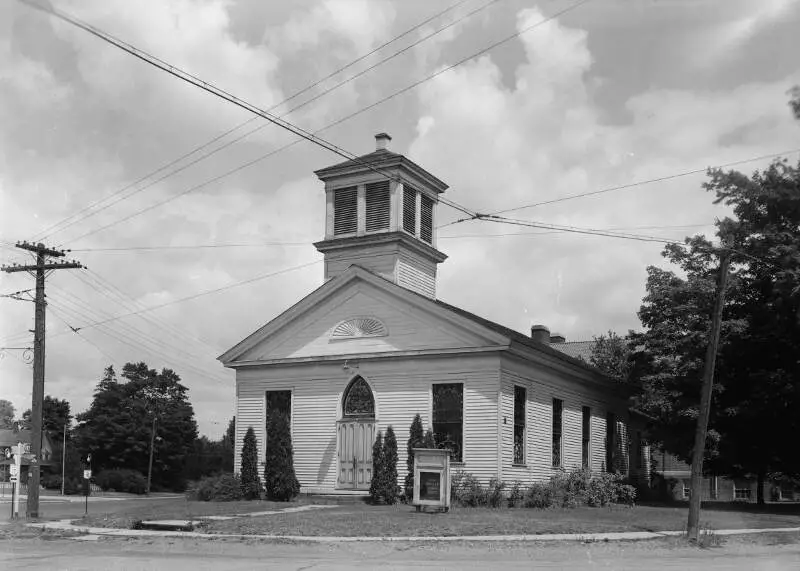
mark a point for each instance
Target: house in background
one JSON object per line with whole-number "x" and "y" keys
{"x": 373, "y": 346}
{"x": 9, "y": 439}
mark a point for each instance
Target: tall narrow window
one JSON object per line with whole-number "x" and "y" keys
{"x": 586, "y": 437}
{"x": 558, "y": 421}
{"x": 409, "y": 210}
{"x": 378, "y": 204}
{"x": 426, "y": 219}
{"x": 611, "y": 441}
{"x": 448, "y": 418}
{"x": 519, "y": 425}
{"x": 278, "y": 402}
{"x": 345, "y": 210}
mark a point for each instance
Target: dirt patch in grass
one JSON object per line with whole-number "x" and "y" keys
{"x": 402, "y": 520}
{"x": 179, "y": 508}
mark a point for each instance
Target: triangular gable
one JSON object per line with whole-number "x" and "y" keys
{"x": 360, "y": 298}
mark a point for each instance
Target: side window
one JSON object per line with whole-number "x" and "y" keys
{"x": 520, "y": 397}
{"x": 558, "y": 421}
{"x": 448, "y": 418}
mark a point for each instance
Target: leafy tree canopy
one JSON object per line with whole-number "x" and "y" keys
{"x": 7, "y": 413}
{"x": 116, "y": 429}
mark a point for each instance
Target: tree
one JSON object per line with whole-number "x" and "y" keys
{"x": 612, "y": 355}
{"x": 7, "y": 414}
{"x": 416, "y": 437}
{"x": 251, "y": 483}
{"x": 56, "y": 417}
{"x": 116, "y": 429}
{"x": 757, "y": 384}
{"x": 376, "y": 486}
{"x": 389, "y": 479}
{"x": 228, "y": 444}
{"x": 794, "y": 102}
{"x": 429, "y": 441}
{"x": 279, "y": 476}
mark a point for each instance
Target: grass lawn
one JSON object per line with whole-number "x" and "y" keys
{"x": 402, "y": 520}
{"x": 121, "y": 515}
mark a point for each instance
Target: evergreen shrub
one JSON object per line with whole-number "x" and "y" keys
{"x": 416, "y": 437}
{"x": 376, "y": 484}
{"x": 390, "y": 490}
{"x": 250, "y": 482}
{"x": 280, "y": 480}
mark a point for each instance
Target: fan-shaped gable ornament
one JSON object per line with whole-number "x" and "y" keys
{"x": 359, "y": 327}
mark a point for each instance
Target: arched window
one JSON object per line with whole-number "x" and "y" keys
{"x": 358, "y": 399}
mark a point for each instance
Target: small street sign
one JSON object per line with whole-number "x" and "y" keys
{"x": 14, "y": 479}
{"x": 14, "y": 470}
{"x": 87, "y": 474}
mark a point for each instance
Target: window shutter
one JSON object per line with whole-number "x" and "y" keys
{"x": 345, "y": 210}
{"x": 426, "y": 219}
{"x": 378, "y": 201}
{"x": 409, "y": 209}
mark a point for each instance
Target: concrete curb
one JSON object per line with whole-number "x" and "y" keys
{"x": 66, "y": 525}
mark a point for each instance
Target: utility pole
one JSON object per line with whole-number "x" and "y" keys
{"x": 152, "y": 445}
{"x": 693, "y": 527}
{"x": 38, "y": 270}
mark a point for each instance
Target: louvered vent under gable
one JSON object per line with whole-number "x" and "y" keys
{"x": 426, "y": 219}
{"x": 409, "y": 210}
{"x": 378, "y": 205}
{"x": 345, "y": 210}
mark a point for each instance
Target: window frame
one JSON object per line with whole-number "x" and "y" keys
{"x": 266, "y": 416}
{"x": 461, "y": 461}
{"x": 522, "y": 459}
{"x": 557, "y": 461}
{"x": 586, "y": 437}
{"x": 336, "y": 219}
{"x": 404, "y": 223}
{"x": 426, "y": 232}
{"x": 388, "y": 205}
{"x": 346, "y": 395}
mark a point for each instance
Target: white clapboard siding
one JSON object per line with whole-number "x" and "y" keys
{"x": 408, "y": 327}
{"x": 416, "y": 274}
{"x": 402, "y": 388}
{"x": 542, "y": 387}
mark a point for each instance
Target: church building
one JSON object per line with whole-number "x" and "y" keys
{"x": 373, "y": 346}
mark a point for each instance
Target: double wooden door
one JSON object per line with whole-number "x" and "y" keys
{"x": 354, "y": 442}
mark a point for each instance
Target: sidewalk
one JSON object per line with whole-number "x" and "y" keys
{"x": 96, "y": 532}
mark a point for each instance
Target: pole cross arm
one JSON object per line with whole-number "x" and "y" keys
{"x": 49, "y": 266}
{"x": 41, "y": 248}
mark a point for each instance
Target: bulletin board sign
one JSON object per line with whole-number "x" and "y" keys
{"x": 431, "y": 479}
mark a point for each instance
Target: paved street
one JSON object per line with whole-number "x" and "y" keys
{"x": 178, "y": 555}
{"x": 58, "y": 507}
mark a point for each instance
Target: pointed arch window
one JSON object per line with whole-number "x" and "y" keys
{"x": 358, "y": 400}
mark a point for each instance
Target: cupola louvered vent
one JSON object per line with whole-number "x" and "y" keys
{"x": 426, "y": 219}
{"x": 409, "y": 210}
{"x": 378, "y": 205}
{"x": 345, "y": 210}
{"x": 359, "y": 327}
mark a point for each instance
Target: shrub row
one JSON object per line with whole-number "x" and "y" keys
{"x": 567, "y": 489}
{"x": 121, "y": 480}
{"x": 221, "y": 488}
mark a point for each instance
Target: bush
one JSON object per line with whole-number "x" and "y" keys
{"x": 222, "y": 488}
{"x": 539, "y": 495}
{"x": 390, "y": 489}
{"x": 251, "y": 483}
{"x": 121, "y": 480}
{"x": 279, "y": 477}
{"x": 495, "y": 495}
{"x": 416, "y": 437}
{"x": 466, "y": 490}
{"x": 376, "y": 485}
{"x": 515, "y": 495}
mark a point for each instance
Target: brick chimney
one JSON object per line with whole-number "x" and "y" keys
{"x": 382, "y": 141}
{"x": 557, "y": 338}
{"x": 540, "y": 333}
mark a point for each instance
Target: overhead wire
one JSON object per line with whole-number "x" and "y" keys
{"x": 307, "y": 136}
{"x": 210, "y": 88}
{"x": 51, "y": 229}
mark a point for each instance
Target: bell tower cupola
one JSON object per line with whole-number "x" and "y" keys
{"x": 381, "y": 215}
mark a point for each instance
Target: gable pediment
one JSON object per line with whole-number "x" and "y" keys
{"x": 360, "y": 313}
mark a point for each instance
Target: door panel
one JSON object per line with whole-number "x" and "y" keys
{"x": 354, "y": 450}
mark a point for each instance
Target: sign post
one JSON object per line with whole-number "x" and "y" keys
{"x": 431, "y": 478}
{"x": 87, "y": 475}
{"x": 15, "y": 488}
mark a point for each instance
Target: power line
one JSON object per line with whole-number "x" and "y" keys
{"x": 213, "y": 89}
{"x": 643, "y": 182}
{"x": 350, "y": 116}
{"x": 47, "y": 231}
{"x": 208, "y": 292}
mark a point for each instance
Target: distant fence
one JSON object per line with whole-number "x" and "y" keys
{"x": 5, "y": 490}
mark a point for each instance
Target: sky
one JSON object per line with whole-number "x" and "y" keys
{"x": 611, "y": 92}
